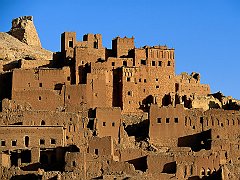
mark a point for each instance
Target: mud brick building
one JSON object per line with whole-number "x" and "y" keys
{"x": 93, "y": 112}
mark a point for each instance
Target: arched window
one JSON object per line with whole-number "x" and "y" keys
{"x": 208, "y": 172}
{"x": 202, "y": 172}
{"x": 43, "y": 122}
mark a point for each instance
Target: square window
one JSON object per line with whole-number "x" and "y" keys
{"x": 176, "y": 120}
{"x": 40, "y": 84}
{"x": 104, "y": 123}
{"x": 159, "y": 120}
{"x": 153, "y": 63}
{"x": 113, "y": 63}
{"x": 42, "y": 141}
{"x": 113, "y": 124}
{"x": 143, "y": 62}
{"x": 53, "y": 141}
{"x": 14, "y": 143}
{"x": 159, "y": 63}
{"x": 157, "y": 87}
{"x": 156, "y": 79}
{"x": 128, "y": 79}
{"x": 3, "y": 143}
{"x": 167, "y": 120}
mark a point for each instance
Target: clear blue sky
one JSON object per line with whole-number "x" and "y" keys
{"x": 204, "y": 33}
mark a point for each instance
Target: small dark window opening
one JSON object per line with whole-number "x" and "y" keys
{"x": 42, "y": 141}
{"x": 167, "y": 120}
{"x": 159, "y": 120}
{"x": 74, "y": 164}
{"x": 156, "y": 79}
{"x": 14, "y": 143}
{"x": 129, "y": 93}
{"x": 145, "y": 80}
{"x": 68, "y": 96}
{"x": 143, "y": 62}
{"x": 201, "y": 120}
{"x": 140, "y": 80}
{"x": 104, "y": 123}
{"x": 53, "y": 141}
{"x": 43, "y": 122}
{"x": 39, "y": 98}
{"x": 159, "y": 63}
{"x": 26, "y": 141}
{"x": 113, "y": 124}
{"x": 124, "y": 63}
{"x": 153, "y": 63}
{"x": 128, "y": 79}
{"x": 40, "y": 84}
{"x": 113, "y": 63}
{"x": 70, "y": 44}
{"x": 96, "y": 151}
{"x": 176, "y": 87}
{"x": 95, "y": 45}
{"x": 29, "y": 84}
{"x": 3, "y": 143}
{"x": 157, "y": 87}
{"x": 169, "y": 63}
{"x": 68, "y": 78}
{"x": 176, "y": 120}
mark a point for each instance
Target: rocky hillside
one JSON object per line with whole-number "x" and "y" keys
{"x": 12, "y": 49}
{"x": 22, "y": 42}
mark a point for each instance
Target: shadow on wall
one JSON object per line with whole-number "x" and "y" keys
{"x": 140, "y": 130}
{"x": 139, "y": 163}
{"x": 166, "y": 100}
{"x": 231, "y": 106}
{"x": 170, "y": 168}
{"x": 217, "y": 175}
{"x": 197, "y": 141}
{"x": 32, "y": 167}
{"x": 26, "y": 177}
{"x": 146, "y": 103}
{"x": 213, "y": 105}
{"x": 11, "y": 65}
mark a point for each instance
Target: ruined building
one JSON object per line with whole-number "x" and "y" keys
{"x": 88, "y": 112}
